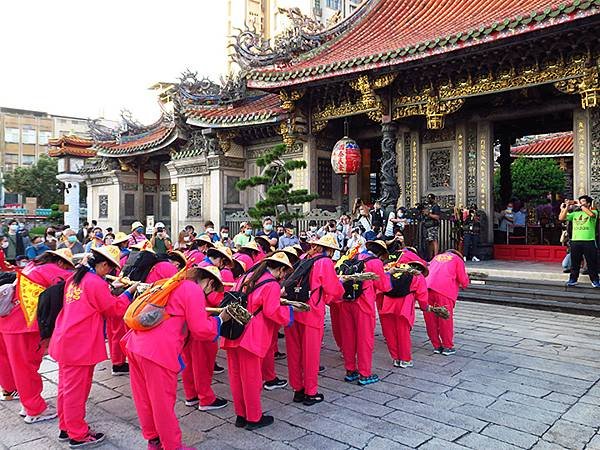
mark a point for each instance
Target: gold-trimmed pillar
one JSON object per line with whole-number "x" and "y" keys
{"x": 461, "y": 184}
{"x": 485, "y": 164}
{"x": 415, "y": 175}
{"x": 581, "y": 152}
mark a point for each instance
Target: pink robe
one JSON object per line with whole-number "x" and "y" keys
{"x": 245, "y": 354}
{"x": 397, "y": 317}
{"x": 23, "y": 350}
{"x": 154, "y": 358}
{"x": 447, "y": 274}
{"x": 357, "y": 320}
{"x": 303, "y": 339}
{"x": 160, "y": 271}
{"x": 408, "y": 256}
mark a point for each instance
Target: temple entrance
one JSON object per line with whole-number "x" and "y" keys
{"x": 533, "y": 173}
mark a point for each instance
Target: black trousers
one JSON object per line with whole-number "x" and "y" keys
{"x": 579, "y": 250}
{"x": 471, "y": 245}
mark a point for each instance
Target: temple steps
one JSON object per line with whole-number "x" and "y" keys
{"x": 534, "y": 293}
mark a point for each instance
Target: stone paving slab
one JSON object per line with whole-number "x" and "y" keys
{"x": 521, "y": 379}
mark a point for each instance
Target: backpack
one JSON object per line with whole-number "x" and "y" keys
{"x": 148, "y": 309}
{"x": 400, "y": 285}
{"x": 297, "y": 285}
{"x": 353, "y": 288}
{"x": 233, "y": 329}
{"x": 49, "y": 305}
{"x": 7, "y": 299}
{"x": 141, "y": 265}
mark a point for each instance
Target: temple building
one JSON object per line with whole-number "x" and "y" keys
{"x": 427, "y": 89}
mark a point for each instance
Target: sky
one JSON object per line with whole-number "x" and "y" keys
{"x": 92, "y": 58}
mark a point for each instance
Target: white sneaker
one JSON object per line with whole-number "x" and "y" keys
{"x": 49, "y": 414}
{"x": 22, "y": 411}
{"x": 464, "y": 258}
{"x": 475, "y": 259}
{"x": 406, "y": 364}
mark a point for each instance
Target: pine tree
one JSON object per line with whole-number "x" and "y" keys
{"x": 275, "y": 178}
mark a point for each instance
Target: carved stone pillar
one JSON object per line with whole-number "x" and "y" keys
{"x": 389, "y": 169}
{"x": 581, "y": 152}
{"x": 595, "y": 154}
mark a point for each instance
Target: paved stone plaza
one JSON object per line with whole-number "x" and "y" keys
{"x": 521, "y": 379}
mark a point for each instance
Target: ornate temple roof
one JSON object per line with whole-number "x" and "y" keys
{"x": 390, "y": 32}
{"x": 71, "y": 145}
{"x": 132, "y": 138}
{"x": 258, "y": 110}
{"x": 558, "y": 144}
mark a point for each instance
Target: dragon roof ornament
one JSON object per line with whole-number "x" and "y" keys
{"x": 192, "y": 90}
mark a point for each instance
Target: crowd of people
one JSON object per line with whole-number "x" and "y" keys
{"x": 95, "y": 275}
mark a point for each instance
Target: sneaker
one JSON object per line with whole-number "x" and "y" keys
{"x": 240, "y": 422}
{"x": 566, "y": 270}
{"x": 596, "y": 284}
{"x": 279, "y": 356}
{"x": 192, "y": 402}
{"x": 448, "y": 352}
{"x": 120, "y": 370}
{"x": 571, "y": 283}
{"x": 322, "y": 369}
{"x": 276, "y": 383}
{"x": 396, "y": 363}
{"x": 351, "y": 376}
{"x": 154, "y": 444}
{"x": 438, "y": 350}
{"x": 63, "y": 436}
{"x": 464, "y": 258}
{"x": 406, "y": 364}
{"x": 475, "y": 259}
{"x": 218, "y": 369}
{"x": 217, "y": 404}
{"x": 7, "y": 396}
{"x": 363, "y": 381}
{"x": 263, "y": 422}
{"x": 310, "y": 400}
{"x": 49, "y": 414}
{"x": 22, "y": 411}
{"x": 280, "y": 335}
{"x": 91, "y": 440}
{"x": 299, "y": 396}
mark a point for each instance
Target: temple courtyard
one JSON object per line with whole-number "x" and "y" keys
{"x": 522, "y": 378}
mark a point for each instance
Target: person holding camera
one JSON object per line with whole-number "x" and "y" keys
{"x": 471, "y": 232}
{"x": 584, "y": 218}
{"x": 161, "y": 242}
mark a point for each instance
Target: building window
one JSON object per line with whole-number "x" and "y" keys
{"x": 102, "y": 206}
{"x": 194, "y": 197}
{"x": 165, "y": 206}
{"x": 333, "y": 4}
{"x": 325, "y": 177}
{"x": 27, "y": 160}
{"x": 11, "y": 135}
{"x": 233, "y": 195}
{"x": 44, "y": 137}
{"x": 149, "y": 205}
{"x": 29, "y": 136}
{"x": 129, "y": 205}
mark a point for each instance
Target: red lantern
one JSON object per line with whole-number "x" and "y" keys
{"x": 346, "y": 159}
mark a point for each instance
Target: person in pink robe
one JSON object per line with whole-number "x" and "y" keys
{"x": 245, "y": 354}
{"x": 447, "y": 273}
{"x": 155, "y": 356}
{"x": 200, "y": 355}
{"x": 197, "y": 250}
{"x": 160, "y": 271}
{"x": 78, "y": 344}
{"x": 408, "y": 255}
{"x": 399, "y": 315}
{"x": 303, "y": 339}
{"x": 357, "y": 318}
{"x": 24, "y": 352}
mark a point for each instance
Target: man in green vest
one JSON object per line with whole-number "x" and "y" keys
{"x": 583, "y": 240}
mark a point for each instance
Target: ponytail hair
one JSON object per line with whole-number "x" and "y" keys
{"x": 92, "y": 261}
{"x": 249, "y": 283}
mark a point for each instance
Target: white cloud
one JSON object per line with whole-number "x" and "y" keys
{"x": 89, "y": 58}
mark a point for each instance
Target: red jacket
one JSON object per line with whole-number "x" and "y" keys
{"x": 446, "y": 274}
{"x": 405, "y": 306}
{"x": 258, "y": 334}
{"x": 78, "y": 337}
{"x": 163, "y": 344}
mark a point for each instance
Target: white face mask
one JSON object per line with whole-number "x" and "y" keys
{"x": 313, "y": 228}
{"x": 186, "y": 239}
{"x": 224, "y": 235}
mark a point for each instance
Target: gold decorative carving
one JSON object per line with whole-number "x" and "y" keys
{"x": 414, "y": 171}
{"x": 287, "y": 130}
{"x": 369, "y": 102}
{"x": 224, "y": 137}
{"x": 429, "y": 105}
{"x": 483, "y": 171}
{"x": 587, "y": 85}
{"x": 289, "y": 99}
